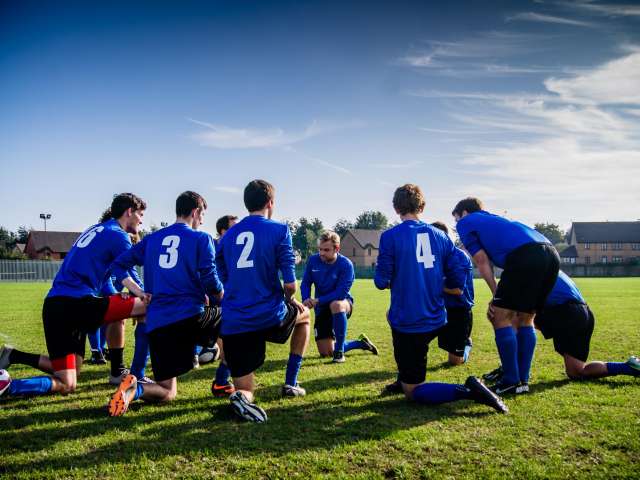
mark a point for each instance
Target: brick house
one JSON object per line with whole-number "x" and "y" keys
{"x": 49, "y": 245}
{"x": 361, "y": 246}
{"x": 602, "y": 242}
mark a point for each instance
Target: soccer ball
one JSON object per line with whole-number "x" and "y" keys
{"x": 5, "y": 381}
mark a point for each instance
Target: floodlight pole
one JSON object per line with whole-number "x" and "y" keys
{"x": 45, "y": 217}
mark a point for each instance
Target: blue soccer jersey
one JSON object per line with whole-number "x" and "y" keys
{"x": 251, "y": 254}
{"x": 332, "y": 281}
{"x": 113, "y": 286}
{"x": 413, "y": 260}
{"x": 496, "y": 235}
{"x": 86, "y": 267}
{"x": 466, "y": 299}
{"x": 179, "y": 270}
{"x": 564, "y": 291}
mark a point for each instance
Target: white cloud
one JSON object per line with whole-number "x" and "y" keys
{"x": 615, "y": 10}
{"x": 539, "y": 17}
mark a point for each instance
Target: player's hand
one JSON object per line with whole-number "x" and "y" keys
{"x": 125, "y": 295}
{"x": 490, "y": 311}
{"x": 136, "y": 320}
{"x": 299, "y": 306}
{"x": 146, "y": 298}
{"x": 308, "y": 303}
{"x": 218, "y": 296}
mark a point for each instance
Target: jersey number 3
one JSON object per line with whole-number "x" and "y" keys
{"x": 423, "y": 250}
{"x": 246, "y": 239}
{"x": 170, "y": 258}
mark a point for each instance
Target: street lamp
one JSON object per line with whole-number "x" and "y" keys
{"x": 45, "y": 217}
{"x": 164, "y": 224}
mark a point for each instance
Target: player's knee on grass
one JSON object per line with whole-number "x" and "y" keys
{"x": 339, "y": 306}
{"x": 325, "y": 347}
{"x": 455, "y": 360}
{"x": 408, "y": 389}
{"x": 573, "y": 367}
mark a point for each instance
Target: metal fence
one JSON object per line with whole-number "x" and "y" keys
{"x": 28, "y": 270}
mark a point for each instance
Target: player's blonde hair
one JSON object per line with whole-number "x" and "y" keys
{"x": 329, "y": 236}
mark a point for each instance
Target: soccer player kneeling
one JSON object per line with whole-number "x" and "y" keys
{"x": 179, "y": 272}
{"x": 256, "y": 308}
{"x": 413, "y": 261}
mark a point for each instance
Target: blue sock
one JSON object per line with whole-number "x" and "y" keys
{"x": 141, "y": 351}
{"x": 507, "y": 344}
{"x": 198, "y": 349}
{"x": 94, "y": 340}
{"x": 354, "y": 345}
{"x": 223, "y": 374}
{"x": 293, "y": 368}
{"x": 621, "y": 368}
{"x": 139, "y": 391}
{"x": 339, "y": 330}
{"x": 102, "y": 341}
{"x": 526, "y": 347}
{"x": 31, "y": 386}
{"x": 436, "y": 393}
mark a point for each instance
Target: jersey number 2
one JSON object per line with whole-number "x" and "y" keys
{"x": 170, "y": 258}
{"x": 246, "y": 239}
{"x": 423, "y": 250}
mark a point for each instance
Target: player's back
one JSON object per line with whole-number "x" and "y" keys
{"x": 496, "y": 235}
{"x": 564, "y": 291}
{"x": 466, "y": 300}
{"x": 174, "y": 258}
{"x": 415, "y": 257}
{"x": 251, "y": 255}
{"x": 86, "y": 267}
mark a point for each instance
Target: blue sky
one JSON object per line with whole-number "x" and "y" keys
{"x": 533, "y": 106}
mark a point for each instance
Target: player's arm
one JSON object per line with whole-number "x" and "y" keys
{"x": 452, "y": 291}
{"x": 454, "y": 270}
{"x": 286, "y": 262}
{"x": 485, "y": 269}
{"x": 471, "y": 242}
{"x": 305, "y": 286}
{"x": 345, "y": 281}
{"x": 221, "y": 267}
{"x": 385, "y": 263}
{"x": 207, "y": 268}
{"x": 124, "y": 263}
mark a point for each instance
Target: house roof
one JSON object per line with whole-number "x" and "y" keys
{"x": 366, "y": 237}
{"x": 602, "y": 232}
{"x": 54, "y": 241}
{"x": 569, "y": 252}
{"x": 20, "y": 247}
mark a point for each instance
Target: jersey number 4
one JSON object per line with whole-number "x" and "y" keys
{"x": 423, "y": 250}
{"x": 169, "y": 259}
{"x": 246, "y": 239}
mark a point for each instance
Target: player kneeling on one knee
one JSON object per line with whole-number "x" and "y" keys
{"x": 180, "y": 272}
{"x": 413, "y": 260}
{"x": 332, "y": 275}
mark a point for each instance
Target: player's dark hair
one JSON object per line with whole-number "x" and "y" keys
{"x": 470, "y": 204}
{"x": 223, "y": 223}
{"x": 256, "y": 194}
{"x": 188, "y": 201}
{"x": 408, "y": 199}
{"x": 121, "y": 203}
{"x": 441, "y": 226}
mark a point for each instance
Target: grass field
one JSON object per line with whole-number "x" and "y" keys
{"x": 343, "y": 427}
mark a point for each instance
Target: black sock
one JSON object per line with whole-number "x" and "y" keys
{"x": 117, "y": 362}
{"x": 24, "y": 358}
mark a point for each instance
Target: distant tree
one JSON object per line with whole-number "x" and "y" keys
{"x": 7, "y": 244}
{"x": 342, "y": 226}
{"x": 371, "y": 220}
{"x": 551, "y": 231}
{"x": 305, "y": 236}
{"x": 23, "y": 234}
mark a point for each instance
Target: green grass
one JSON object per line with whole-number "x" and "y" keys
{"x": 343, "y": 427}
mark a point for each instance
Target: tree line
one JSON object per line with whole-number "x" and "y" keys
{"x": 9, "y": 240}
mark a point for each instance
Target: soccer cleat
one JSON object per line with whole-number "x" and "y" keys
{"x": 293, "y": 391}
{"x": 5, "y": 352}
{"x": 494, "y": 375}
{"x": 338, "y": 357}
{"x": 117, "y": 379}
{"x": 120, "y": 400}
{"x": 368, "y": 343}
{"x": 222, "y": 390}
{"x": 467, "y": 352}
{"x": 146, "y": 380}
{"x": 393, "y": 388}
{"x": 513, "y": 389}
{"x": 245, "y": 410}
{"x": 209, "y": 354}
{"x": 480, "y": 393}
{"x": 97, "y": 358}
{"x": 5, "y": 381}
{"x": 196, "y": 362}
{"x": 633, "y": 362}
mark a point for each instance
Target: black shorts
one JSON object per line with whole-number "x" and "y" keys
{"x": 323, "y": 323}
{"x": 410, "y": 351}
{"x": 570, "y": 325}
{"x": 455, "y": 335}
{"x": 172, "y": 346}
{"x": 67, "y": 320}
{"x": 530, "y": 272}
{"x": 245, "y": 352}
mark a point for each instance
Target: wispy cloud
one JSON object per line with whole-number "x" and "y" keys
{"x": 227, "y": 189}
{"x": 224, "y": 137}
{"x": 318, "y": 161}
{"x": 542, "y": 18}
{"x": 405, "y": 165}
{"x": 609, "y": 10}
